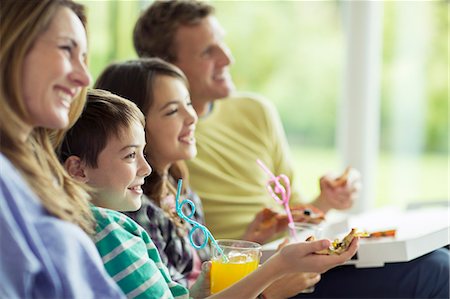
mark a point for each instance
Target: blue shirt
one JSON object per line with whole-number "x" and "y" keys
{"x": 42, "y": 256}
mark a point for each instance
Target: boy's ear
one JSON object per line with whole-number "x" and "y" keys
{"x": 75, "y": 168}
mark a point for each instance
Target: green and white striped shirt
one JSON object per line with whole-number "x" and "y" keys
{"x": 131, "y": 258}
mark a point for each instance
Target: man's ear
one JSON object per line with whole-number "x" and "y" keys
{"x": 75, "y": 168}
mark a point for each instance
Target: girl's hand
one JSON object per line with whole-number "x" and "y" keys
{"x": 301, "y": 257}
{"x": 290, "y": 285}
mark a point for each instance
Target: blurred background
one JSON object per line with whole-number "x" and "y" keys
{"x": 364, "y": 85}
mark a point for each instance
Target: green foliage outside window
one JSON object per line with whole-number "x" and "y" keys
{"x": 292, "y": 53}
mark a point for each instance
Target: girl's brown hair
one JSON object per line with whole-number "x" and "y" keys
{"x": 21, "y": 24}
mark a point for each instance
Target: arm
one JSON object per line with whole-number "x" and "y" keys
{"x": 298, "y": 257}
{"x": 331, "y": 196}
{"x": 138, "y": 269}
{"x": 35, "y": 245}
{"x": 290, "y": 285}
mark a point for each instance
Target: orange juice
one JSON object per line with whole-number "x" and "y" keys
{"x": 226, "y": 273}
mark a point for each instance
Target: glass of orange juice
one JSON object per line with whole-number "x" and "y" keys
{"x": 238, "y": 260}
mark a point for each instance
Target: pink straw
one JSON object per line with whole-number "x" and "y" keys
{"x": 283, "y": 191}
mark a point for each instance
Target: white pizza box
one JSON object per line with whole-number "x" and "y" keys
{"x": 418, "y": 233}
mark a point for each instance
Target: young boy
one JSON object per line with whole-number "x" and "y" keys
{"x": 105, "y": 150}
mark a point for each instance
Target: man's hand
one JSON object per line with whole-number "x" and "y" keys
{"x": 264, "y": 226}
{"x": 339, "y": 192}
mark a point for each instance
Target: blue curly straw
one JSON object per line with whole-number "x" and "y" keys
{"x": 195, "y": 225}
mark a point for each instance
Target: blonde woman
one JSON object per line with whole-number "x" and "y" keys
{"x": 44, "y": 214}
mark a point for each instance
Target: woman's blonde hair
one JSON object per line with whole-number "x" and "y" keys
{"x": 21, "y": 23}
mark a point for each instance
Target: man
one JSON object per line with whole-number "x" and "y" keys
{"x": 233, "y": 132}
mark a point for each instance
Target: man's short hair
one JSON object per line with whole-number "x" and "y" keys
{"x": 154, "y": 32}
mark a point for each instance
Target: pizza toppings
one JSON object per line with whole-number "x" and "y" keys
{"x": 340, "y": 246}
{"x": 307, "y": 213}
{"x": 383, "y": 233}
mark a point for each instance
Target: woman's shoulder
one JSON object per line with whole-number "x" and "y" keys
{"x": 15, "y": 193}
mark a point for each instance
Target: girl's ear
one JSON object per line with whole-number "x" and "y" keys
{"x": 75, "y": 168}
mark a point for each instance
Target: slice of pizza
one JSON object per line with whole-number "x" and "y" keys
{"x": 342, "y": 180}
{"x": 268, "y": 218}
{"x": 337, "y": 246}
{"x": 307, "y": 213}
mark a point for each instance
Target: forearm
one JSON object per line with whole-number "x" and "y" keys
{"x": 321, "y": 204}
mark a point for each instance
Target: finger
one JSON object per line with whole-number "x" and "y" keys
{"x": 283, "y": 244}
{"x": 351, "y": 250}
{"x": 356, "y": 187}
{"x": 312, "y": 274}
{"x": 326, "y": 181}
{"x": 206, "y": 266}
{"x": 317, "y": 245}
{"x": 354, "y": 174}
{"x": 314, "y": 279}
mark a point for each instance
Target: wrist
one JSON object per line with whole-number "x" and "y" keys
{"x": 322, "y": 204}
{"x": 277, "y": 267}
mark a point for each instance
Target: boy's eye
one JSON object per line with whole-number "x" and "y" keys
{"x": 131, "y": 156}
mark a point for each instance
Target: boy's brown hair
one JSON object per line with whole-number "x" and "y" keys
{"x": 105, "y": 115}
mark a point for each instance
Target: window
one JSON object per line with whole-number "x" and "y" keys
{"x": 294, "y": 53}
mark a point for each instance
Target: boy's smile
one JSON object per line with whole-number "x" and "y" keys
{"x": 121, "y": 170}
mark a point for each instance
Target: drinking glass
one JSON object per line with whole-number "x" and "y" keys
{"x": 241, "y": 258}
{"x": 303, "y": 230}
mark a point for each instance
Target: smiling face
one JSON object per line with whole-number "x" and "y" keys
{"x": 54, "y": 71}
{"x": 204, "y": 58}
{"x": 170, "y": 123}
{"x": 121, "y": 169}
